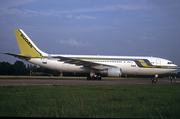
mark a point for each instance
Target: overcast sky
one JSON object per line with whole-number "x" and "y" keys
{"x": 91, "y": 27}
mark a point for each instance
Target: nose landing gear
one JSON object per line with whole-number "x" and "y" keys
{"x": 155, "y": 79}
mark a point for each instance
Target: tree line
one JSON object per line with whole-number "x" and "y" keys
{"x": 19, "y": 68}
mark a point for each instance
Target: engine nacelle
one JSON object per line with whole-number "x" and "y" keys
{"x": 112, "y": 72}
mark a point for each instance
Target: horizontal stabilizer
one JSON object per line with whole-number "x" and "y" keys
{"x": 26, "y": 57}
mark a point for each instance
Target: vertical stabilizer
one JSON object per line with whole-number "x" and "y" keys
{"x": 26, "y": 46}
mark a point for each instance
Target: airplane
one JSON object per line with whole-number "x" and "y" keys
{"x": 95, "y": 65}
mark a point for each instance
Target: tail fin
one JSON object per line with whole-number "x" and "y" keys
{"x": 26, "y": 46}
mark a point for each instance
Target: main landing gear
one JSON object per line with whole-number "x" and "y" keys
{"x": 94, "y": 77}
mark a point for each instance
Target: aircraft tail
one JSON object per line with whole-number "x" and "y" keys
{"x": 26, "y": 46}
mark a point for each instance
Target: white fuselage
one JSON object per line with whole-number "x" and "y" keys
{"x": 129, "y": 65}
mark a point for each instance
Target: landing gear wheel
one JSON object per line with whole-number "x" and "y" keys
{"x": 155, "y": 80}
{"x": 95, "y": 77}
{"x": 99, "y": 77}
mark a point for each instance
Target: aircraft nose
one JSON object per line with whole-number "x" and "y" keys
{"x": 176, "y": 67}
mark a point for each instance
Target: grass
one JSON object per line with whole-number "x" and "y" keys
{"x": 91, "y": 101}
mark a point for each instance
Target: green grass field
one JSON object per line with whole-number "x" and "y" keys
{"x": 91, "y": 100}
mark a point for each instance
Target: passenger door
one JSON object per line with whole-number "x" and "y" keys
{"x": 158, "y": 62}
{"x": 44, "y": 60}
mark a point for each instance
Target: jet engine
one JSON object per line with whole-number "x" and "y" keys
{"x": 113, "y": 72}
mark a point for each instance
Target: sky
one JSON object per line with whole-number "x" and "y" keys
{"x": 92, "y": 27}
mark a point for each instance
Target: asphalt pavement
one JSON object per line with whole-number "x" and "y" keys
{"x": 76, "y": 81}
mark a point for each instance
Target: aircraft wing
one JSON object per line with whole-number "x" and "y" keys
{"x": 79, "y": 62}
{"x": 27, "y": 57}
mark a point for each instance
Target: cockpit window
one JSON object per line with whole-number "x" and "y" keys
{"x": 169, "y": 62}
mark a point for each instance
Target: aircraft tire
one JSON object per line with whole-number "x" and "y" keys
{"x": 99, "y": 78}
